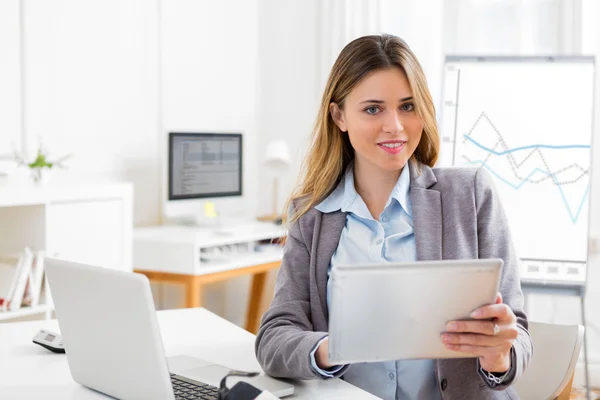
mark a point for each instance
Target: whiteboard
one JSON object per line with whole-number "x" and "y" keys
{"x": 529, "y": 122}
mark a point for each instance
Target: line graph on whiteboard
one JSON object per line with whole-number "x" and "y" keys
{"x": 529, "y": 165}
{"x": 528, "y": 123}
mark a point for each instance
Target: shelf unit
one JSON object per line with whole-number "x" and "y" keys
{"x": 90, "y": 224}
{"x": 45, "y": 309}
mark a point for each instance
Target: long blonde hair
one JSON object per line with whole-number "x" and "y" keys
{"x": 331, "y": 151}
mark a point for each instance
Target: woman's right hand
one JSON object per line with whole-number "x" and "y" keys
{"x": 322, "y": 355}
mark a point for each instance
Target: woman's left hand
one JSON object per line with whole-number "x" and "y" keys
{"x": 490, "y": 336}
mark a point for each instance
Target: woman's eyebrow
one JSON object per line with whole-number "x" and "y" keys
{"x": 381, "y": 101}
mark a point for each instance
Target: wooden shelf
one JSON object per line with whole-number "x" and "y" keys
{"x": 23, "y": 312}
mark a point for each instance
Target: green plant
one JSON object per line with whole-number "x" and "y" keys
{"x": 41, "y": 160}
{"x": 39, "y": 164}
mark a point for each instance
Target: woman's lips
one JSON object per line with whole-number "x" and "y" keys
{"x": 392, "y": 150}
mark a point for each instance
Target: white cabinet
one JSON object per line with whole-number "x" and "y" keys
{"x": 89, "y": 224}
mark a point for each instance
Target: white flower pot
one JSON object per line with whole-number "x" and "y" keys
{"x": 40, "y": 176}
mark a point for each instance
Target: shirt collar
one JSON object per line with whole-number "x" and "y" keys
{"x": 344, "y": 196}
{"x": 401, "y": 191}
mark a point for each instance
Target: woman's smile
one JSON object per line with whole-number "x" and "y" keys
{"x": 392, "y": 146}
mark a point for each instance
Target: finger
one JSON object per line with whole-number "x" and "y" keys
{"x": 500, "y": 311}
{"x": 482, "y": 327}
{"x": 508, "y": 330}
{"x": 499, "y": 298}
{"x": 473, "y": 339}
{"x": 479, "y": 351}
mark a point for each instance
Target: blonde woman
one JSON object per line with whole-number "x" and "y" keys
{"x": 370, "y": 195}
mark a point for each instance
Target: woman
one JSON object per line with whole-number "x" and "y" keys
{"x": 370, "y": 195}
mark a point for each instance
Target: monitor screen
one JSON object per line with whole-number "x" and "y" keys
{"x": 204, "y": 165}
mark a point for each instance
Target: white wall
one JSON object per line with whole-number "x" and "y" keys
{"x": 90, "y": 90}
{"x": 10, "y": 82}
{"x": 209, "y": 84}
{"x": 288, "y": 91}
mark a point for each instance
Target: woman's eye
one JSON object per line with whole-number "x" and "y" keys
{"x": 372, "y": 110}
{"x": 407, "y": 107}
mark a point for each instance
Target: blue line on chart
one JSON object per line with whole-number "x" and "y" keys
{"x": 574, "y": 218}
{"x": 532, "y": 146}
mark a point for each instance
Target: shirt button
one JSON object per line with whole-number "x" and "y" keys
{"x": 444, "y": 384}
{"x": 391, "y": 375}
{"x": 384, "y": 219}
{"x": 379, "y": 241}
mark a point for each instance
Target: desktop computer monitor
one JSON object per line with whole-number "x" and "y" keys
{"x": 204, "y": 165}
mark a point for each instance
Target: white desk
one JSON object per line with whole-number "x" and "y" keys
{"x": 180, "y": 249}
{"x": 28, "y": 371}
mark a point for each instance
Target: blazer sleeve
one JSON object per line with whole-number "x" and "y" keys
{"x": 286, "y": 338}
{"x": 494, "y": 241}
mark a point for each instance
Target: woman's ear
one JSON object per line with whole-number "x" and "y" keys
{"x": 338, "y": 116}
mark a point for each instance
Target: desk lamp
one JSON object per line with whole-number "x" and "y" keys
{"x": 277, "y": 159}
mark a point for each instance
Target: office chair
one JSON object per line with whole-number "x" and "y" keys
{"x": 555, "y": 352}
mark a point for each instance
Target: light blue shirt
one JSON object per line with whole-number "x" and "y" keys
{"x": 366, "y": 240}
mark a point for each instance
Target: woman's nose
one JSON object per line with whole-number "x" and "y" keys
{"x": 393, "y": 123}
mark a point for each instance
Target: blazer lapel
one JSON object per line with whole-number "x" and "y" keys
{"x": 427, "y": 213}
{"x": 330, "y": 231}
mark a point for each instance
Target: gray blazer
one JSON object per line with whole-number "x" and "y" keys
{"x": 456, "y": 215}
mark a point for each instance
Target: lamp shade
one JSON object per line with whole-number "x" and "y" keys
{"x": 277, "y": 155}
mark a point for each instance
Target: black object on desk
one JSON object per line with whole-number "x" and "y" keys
{"x": 49, "y": 340}
{"x": 239, "y": 391}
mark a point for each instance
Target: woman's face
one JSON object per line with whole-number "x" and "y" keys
{"x": 379, "y": 116}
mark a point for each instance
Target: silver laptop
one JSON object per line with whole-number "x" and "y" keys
{"x": 113, "y": 342}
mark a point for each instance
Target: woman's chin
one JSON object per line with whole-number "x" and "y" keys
{"x": 393, "y": 165}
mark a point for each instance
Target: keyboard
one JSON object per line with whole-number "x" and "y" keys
{"x": 188, "y": 389}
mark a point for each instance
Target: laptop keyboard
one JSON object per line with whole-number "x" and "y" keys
{"x": 191, "y": 390}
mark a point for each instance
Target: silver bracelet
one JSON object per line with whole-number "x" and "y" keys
{"x": 493, "y": 378}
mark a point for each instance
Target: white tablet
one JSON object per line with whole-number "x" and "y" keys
{"x": 396, "y": 311}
